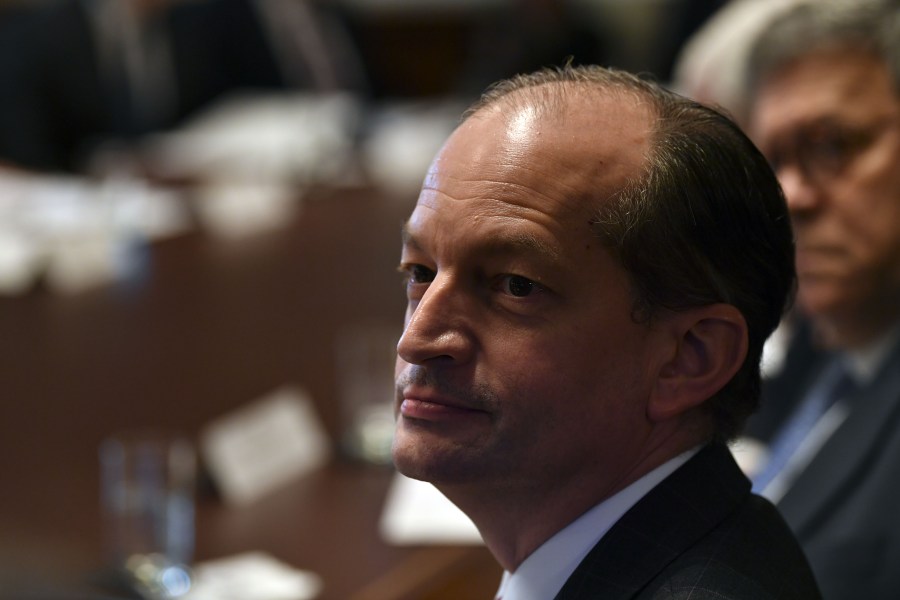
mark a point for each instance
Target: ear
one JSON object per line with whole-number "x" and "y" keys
{"x": 710, "y": 346}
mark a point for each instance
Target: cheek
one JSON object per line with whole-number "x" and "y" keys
{"x": 575, "y": 370}
{"x": 571, "y": 410}
{"x": 871, "y": 196}
{"x": 871, "y": 217}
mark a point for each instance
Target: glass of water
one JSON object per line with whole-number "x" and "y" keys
{"x": 147, "y": 494}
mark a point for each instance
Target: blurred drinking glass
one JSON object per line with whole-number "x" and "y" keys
{"x": 365, "y": 355}
{"x": 148, "y": 481}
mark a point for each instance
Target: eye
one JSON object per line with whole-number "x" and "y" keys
{"x": 829, "y": 148}
{"x": 825, "y": 150}
{"x": 417, "y": 273}
{"x": 518, "y": 286}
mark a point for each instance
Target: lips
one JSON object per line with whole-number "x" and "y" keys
{"x": 426, "y": 407}
{"x": 815, "y": 259}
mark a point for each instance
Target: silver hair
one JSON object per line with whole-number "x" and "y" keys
{"x": 869, "y": 26}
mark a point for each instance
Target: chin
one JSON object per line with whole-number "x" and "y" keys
{"x": 424, "y": 470}
{"x": 403, "y": 457}
{"x": 429, "y": 461}
{"x": 822, "y": 301}
{"x": 410, "y": 458}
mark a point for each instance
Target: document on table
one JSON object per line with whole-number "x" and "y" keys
{"x": 416, "y": 512}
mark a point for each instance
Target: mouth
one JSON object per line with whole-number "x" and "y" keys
{"x": 425, "y": 407}
{"x": 811, "y": 259}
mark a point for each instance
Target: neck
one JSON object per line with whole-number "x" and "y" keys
{"x": 854, "y": 332}
{"x": 515, "y": 519}
{"x": 861, "y": 323}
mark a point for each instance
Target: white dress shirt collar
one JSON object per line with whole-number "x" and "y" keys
{"x": 545, "y": 571}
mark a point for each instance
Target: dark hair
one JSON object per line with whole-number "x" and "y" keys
{"x": 867, "y": 26}
{"x": 704, "y": 222}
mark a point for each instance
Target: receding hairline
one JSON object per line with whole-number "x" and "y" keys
{"x": 552, "y": 97}
{"x": 630, "y": 99}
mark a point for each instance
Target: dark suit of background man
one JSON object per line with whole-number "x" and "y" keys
{"x": 592, "y": 268}
{"x": 87, "y": 72}
{"x": 826, "y": 112}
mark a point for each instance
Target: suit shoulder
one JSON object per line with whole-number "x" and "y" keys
{"x": 751, "y": 555}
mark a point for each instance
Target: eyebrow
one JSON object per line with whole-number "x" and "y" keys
{"x": 499, "y": 245}
{"x": 408, "y": 238}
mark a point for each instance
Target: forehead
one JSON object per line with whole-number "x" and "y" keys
{"x": 841, "y": 86}
{"x": 554, "y": 158}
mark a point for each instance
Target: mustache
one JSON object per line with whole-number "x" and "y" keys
{"x": 475, "y": 396}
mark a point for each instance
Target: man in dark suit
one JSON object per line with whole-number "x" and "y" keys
{"x": 592, "y": 268}
{"x": 826, "y": 112}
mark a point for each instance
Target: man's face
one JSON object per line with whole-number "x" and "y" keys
{"x": 830, "y": 124}
{"x": 519, "y": 364}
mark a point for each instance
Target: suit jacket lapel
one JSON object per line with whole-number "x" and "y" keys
{"x": 665, "y": 522}
{"x": 875, "y": 412}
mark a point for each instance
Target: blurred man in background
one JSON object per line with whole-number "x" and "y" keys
{"x": 825, "y": 110}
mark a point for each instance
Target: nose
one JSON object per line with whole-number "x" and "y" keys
{"x": 800, "y": 192}
{"x": 437, "y": 328}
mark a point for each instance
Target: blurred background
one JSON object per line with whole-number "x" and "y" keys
{"x": 200, "y": 203}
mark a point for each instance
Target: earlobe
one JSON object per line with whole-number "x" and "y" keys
{"x": 710, "y": 346}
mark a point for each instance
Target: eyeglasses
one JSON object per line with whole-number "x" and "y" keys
{"x": 823, "y": 151}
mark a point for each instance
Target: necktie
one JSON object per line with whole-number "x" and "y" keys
{"x": 835, "y": 384}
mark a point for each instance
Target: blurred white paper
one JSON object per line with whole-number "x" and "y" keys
{"x": 286, "y": 138}
{"x": 235, "y": 209}
{"x": 261, "y": 447}
{"x": 251, "y": 576}
{"x": 20, "y": 261}
{"x": 403, "y": 141}
{"x": 79, "y": 232}
{"x": 79, "y": 264}
{"x": 416, "y": 512}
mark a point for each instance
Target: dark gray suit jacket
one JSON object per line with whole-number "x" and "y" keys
{"x": 845, "y": 506}
{"x": 698, "y": 535}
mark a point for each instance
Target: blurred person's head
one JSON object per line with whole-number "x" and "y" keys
{"x": 711, "y": 66}
{"x": 826, "y": 112}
